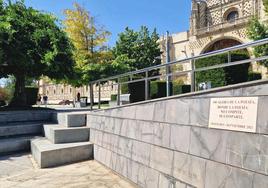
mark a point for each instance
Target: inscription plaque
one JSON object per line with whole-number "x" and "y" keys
{"x": 234, "y": 113}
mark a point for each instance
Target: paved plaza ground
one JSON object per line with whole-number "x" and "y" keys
{"x": 20, "y": 171}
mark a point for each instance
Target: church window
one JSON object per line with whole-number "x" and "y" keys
{"x": 232, "y": 16}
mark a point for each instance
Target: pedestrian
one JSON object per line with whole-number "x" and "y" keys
{"x": 45, "y": 98}
{"x": 78, "y": 97}
{"x": 39, "y": 100}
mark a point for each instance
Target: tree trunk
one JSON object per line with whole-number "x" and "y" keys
{"x": 19, "y": 98}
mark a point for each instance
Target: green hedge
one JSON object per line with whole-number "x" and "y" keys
{"x": 254, "y": 76}
{"x": 137, "y": 91}
{"x": 180, "y": 89}
{"x": 158, "y": 89}
{"x": 114, "y": 97}
{"x": 31, "y": 95}
{"x": 223, "y": 76}
{"x": 124, "y": 89}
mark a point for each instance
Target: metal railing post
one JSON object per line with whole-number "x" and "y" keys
{"x": 146, "y": 86}
{"x": 168, "y": 80}
{"x": 229, "y": 57}
{"x": 192, "y": 74}
{"x": 167, "y": 66}
{"x": 118, "y": 92}
{"x": 99, "y": 97}
{"x": 91, "y": 95}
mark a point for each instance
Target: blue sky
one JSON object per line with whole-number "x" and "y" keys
{"x": 116, "y": 15}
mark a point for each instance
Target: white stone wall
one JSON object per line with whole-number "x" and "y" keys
{"x": 167, "y": 142}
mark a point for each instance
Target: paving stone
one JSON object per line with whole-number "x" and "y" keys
{"x": 83, "y": 174}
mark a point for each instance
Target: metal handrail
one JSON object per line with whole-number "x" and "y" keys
{"x": 209, "y": 54}
{"x": 186, "y": 60}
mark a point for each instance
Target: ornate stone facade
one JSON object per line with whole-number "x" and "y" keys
{"x": 214, "y": 25}
{"x": 212, "y": 21}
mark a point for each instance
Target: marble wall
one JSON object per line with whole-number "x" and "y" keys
{"x": 167, "y": 143}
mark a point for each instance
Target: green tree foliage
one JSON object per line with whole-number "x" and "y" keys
{"x": 138, "y": 48}
{"x": 93, "y": 59}
{"x": 265, "y": 3}
{"x": 257, "y": 31}
{"x": 32, "y": 44}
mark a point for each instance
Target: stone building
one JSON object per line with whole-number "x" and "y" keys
{"x": 59, "y": 92}
{"x": 214, "y": 25}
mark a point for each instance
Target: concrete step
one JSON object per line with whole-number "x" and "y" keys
{"x": 47, "y": 154}
{"x": 59, "y": 134}
{"x": 22, "y": 128}
{"x": 15, "y": 144}
{"x": 73, "y": 119}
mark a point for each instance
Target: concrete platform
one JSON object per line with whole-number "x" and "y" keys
{"x": 47, "y": 154}
{"x": 73, "y": 119}
{"x": 22, "y": 128}
{"x": 60, "y": 134}
{"x": 15, "y": 144}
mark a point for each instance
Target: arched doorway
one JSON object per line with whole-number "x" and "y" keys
{"x": 221, "y": 44}
{"x": 223, "y": 76}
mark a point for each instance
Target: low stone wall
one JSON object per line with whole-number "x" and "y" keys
{"x": 168, "y": 142}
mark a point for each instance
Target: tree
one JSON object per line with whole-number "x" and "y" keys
{"x": 138, "y": 48}
{"x": 265, "y": 4}
{"x": 32, "y": 45}
{"x": 258, "y": 31}
{"x": 91, "y": 54}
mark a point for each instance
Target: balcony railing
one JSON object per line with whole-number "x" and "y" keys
{"x": 224, "y": 25}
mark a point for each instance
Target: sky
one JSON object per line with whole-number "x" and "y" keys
{"x": 116, "y": 15}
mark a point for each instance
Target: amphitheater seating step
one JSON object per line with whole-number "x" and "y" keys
{"x": 21, "y": 128}
{"x": 73, "y": 119}
{"x": 47, "y": 154}
{"x": 15, "y": 144}
{"x": 60, "y": 134}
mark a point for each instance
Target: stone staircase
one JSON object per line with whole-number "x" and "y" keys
{"x": 65, "y": 142}
{"x": 17, "y": 128}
